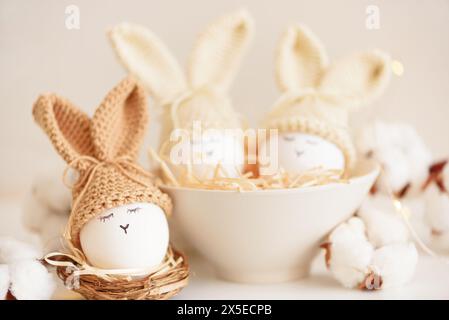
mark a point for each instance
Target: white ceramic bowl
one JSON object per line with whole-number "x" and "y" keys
{"x": 266, "y": 235}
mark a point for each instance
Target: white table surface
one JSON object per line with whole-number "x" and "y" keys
{"x": 431, "y": 280}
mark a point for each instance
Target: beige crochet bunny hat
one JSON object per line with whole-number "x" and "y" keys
{"x": 201, "y": 94}
{"x": 317, "y": 97}
{"x": 103, "y": 150}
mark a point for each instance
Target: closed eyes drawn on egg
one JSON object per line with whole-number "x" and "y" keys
{"x": 134, "y": 210}
{"x": 106, "y": 218}
{"x": 310, "y": 143}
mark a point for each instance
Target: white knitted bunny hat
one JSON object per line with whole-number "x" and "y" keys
{"x": 201, "y": 94}
{"x": 317, "y": 97}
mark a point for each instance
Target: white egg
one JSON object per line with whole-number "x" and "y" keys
{"x": 298, "y": 152}
{"x": 205, "y": 153}
{"x": 130, "y": 236}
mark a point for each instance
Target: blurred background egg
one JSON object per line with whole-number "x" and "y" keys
{"x": 298, "y": 152}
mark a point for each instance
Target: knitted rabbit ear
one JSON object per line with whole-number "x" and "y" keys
{"x": 218, "y": 51}
{"x": 68, "y": 128}
{"x": 149, "y": 60}
{"x": 119, "y": 123}
{"x": 300, "y": 60}
{"x": 358, "y": 79}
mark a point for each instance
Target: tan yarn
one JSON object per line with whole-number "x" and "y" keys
{"x": 317, "y": 97}
{"x": 201, "y": 94}
{"x": 103, "y": 150}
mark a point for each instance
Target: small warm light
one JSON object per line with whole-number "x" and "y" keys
{"x": 397, "y": 68}
{"x": 401, "y": 209}
{"x": 397, "y": 204}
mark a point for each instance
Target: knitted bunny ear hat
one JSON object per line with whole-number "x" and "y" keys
{"x": 103, "y": 150}
{"x": 201, "y": 94}
{"x": 317, "y": 97}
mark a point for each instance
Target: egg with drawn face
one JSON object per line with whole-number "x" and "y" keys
{"x": 209, "y": 150}
{"x": 129, "y": 236}
{"x": 298, "y": 152}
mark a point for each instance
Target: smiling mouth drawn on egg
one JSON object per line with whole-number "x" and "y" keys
{"x": 134, "y": 210}
{"x": 289, "y": 138}
{"x": 125, "y": 228}
{"x": 299, "y": 153}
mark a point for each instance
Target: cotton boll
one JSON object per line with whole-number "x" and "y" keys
{"x": 396, "y": 170}
{"x": 350, "y": 253}
{"x": 373, "y": 137}
{"x": 418, "y": 155}
{"x": 350, "y": 261}
{"x": 12, "y": 250}
{"x": 30, "y": 280}
{"x": 395, "y": 264}
{"x": 400, "y": 150}
{"x": 419, "y": 165}
{"x": 379, "y": 201}
{"x": 385, "y": 229}
{"x": 354, "y": 228}
{"x": 440, "y": 242}
{"x": 445, "y": 177}
{"x": 384, "y": 225}
{"x": 50, "y": 191}
{"x": 4, "y": 281}
{"x": 418, "y": 217}
{"x": 416, "y": 206}
{"x": 437, "y": 204}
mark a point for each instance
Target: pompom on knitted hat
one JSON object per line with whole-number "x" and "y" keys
{"x": 317, "y": 97}
{"x": 103, "y": 150}
{"x": 200, "y": 93}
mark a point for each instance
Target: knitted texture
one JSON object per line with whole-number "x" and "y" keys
{"x": 119, "y": 124}
{"x": 317, "y": 97}
{"x": 103, "y": 150}
{"x": 196, "y": 107}
{"x": 308, "y": 113}
{"x": 111, "y": 188}
{"x": 73, "y": 138}
{"x": 200, "y": 94}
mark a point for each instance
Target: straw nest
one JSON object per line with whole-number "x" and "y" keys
{"x": 247, "y": 181}
{"x": 165, "y": 282}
